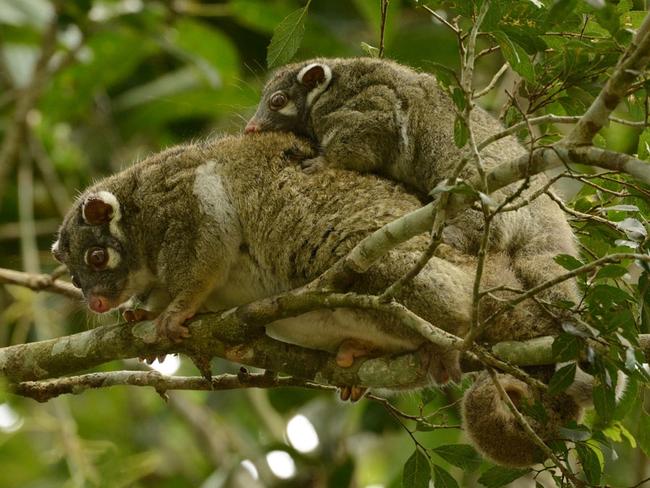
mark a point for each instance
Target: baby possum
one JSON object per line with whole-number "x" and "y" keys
{"x": 373, "y": 116}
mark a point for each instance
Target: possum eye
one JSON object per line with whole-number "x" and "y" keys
{"x": 75, "y": 282}
{"x": 278, "y": 100}
{"x": 97, "y": 257}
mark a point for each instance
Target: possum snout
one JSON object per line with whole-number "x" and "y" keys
{"x": 252, "y": 126}
{"x": 98, "y": 303}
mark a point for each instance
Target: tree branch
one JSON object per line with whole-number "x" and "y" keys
{"x": 40, "y": 282}
{"x": 43, "y": 391}
{"x": 632, "y": 62}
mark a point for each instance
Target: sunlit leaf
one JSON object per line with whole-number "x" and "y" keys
{"x": 590, "y": 463}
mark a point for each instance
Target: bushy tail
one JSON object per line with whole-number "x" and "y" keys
{"x": 494, "y": 430}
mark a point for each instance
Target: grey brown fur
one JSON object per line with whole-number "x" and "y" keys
{"x": 376, "y": 116}
{"x": 233, "y": 220}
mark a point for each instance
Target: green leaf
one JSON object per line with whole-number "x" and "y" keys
{"x": 442, "y": 479}
{"x": 287, "y": 37}
{"x": 371, "y": 51}
{"x": 516, "y": 56}
{"x": 568, "y": 262}
{"x": 562, "y": 379}
{"x": 604, "y": 401}
{"x": 445, "y": 75}
{"x": 462, "y": 455}
{"x": 611, "y": 271}
{"x": 627, "y": 434}
{"x": 643, "y": 436}
{"x": 590, "y": 463}
{"x": 644, "y": 144}
{"x": 499, "y": 476}
{"x": 461, "y": 134}
{"x": 566, "y": 347}
{"x": 458, "y": 97}
{"x": 417, "y": 471}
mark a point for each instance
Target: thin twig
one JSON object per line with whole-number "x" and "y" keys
{"x": 550, "y": 118}
{"x": 389, "y": 406}
{"x": 45, "y": 390}
{"x": 40, "y": 282}
{"x": 441, "y": 19}
{"x": 383, "y": 6}
{"x": 493, "y": 81}
{"x": 581, "y": 215}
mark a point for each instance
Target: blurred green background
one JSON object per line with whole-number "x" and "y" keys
{"x": 120, "y": 80}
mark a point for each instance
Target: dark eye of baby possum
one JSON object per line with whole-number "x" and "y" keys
{"x": 75, "y": 282}
{"x": 278, "y": 100}
{"x": 97, "y": 257}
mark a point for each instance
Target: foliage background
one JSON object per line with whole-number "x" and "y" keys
{"x": 145, "y": 75}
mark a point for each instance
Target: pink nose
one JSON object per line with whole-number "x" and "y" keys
{"x": 98, "y": 303}
{"x": 251, "y": 127}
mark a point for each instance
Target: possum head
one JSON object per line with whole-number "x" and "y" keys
{"x": 91, "y": 244}
{"x": 288, "y": 97}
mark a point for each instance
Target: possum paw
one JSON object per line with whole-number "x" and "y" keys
{"x": 313, "y": 165}
{"x": 138, "y": 315}
{"x": 172, "y": 326}
{"x": 350, "y": 349}
{"x": 444, "y": 365}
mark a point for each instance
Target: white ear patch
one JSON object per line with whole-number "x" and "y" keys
{"x": 319, "y": 86}
{"x": 289, "y": 109}
{"x": 107, "y": 199}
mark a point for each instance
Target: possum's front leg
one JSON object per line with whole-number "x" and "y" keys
{"x": 363, "y": 135}
{"x": 185, "y": 304}
{"x": 314, "y": 165}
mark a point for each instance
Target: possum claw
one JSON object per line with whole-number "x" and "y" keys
{"x": 352, "y": 393}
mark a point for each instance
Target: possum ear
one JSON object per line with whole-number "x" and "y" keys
{"x": 315, "y": 74}
{"x": 100, "y": 208}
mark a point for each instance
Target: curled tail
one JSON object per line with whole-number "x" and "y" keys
{"x": 494, "y": 430}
